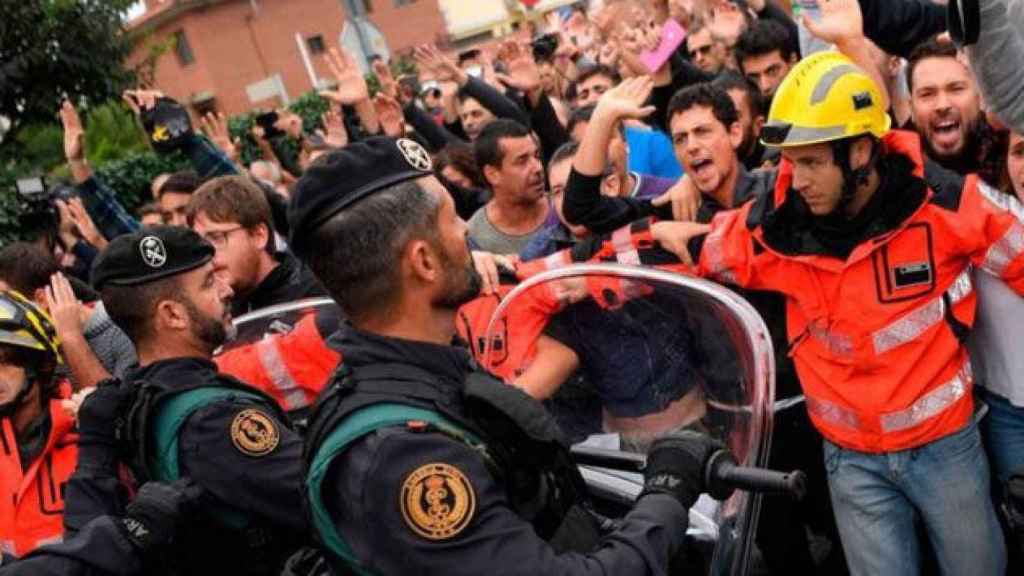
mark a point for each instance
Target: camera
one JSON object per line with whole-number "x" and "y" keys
{"x": 544, "y": 47}
{"x": 38, "y": 212}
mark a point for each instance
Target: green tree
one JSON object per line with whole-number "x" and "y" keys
{"x": 52, "y": 49}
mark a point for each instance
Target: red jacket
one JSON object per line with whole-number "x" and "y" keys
{"x": 32, "y": 503}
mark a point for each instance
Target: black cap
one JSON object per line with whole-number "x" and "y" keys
{"x": 343, "y": 177}
{"x": 150, "y": 254}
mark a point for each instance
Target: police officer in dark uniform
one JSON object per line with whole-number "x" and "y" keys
{"x": 418, "y": 462}
{"x": 184, "y": 419}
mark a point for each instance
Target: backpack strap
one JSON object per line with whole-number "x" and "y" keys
{"x": 358, "y": 424}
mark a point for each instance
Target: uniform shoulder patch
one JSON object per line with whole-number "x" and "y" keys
{"x": 437, "y": 501}
{"x": 254, "y": 433}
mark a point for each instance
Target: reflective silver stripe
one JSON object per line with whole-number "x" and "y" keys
{"x": 836, "y": 342}
{"x": 291, "y": 395}
{"x": 828, "y": 80}
{"x": 931, "y": 404}
{"x": 1005, "y": 250}
{"x": 625, "y": 252}
{"x": 715, "y": 254}
{"x": 810, "y": 134}
{"x": 911, "y": 326}
{"x": 833, "y": 413}
{"x": 556, "y": 260}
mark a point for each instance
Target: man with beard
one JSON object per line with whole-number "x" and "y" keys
{"x": 184, "y": 419}
{"x": 509, "y": 158}
{"x": 750, "y": 106}
{"x": 946, "y": 112}
{"x": 480, "y": 474}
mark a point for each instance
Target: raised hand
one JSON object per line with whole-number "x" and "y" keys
{"x": 840, "y": 20}
{"x": 442, "y": 67}
{"x": 388, "y": 84}
{"x": 87, "y": 228}
{"x": 139, "y": 100}
{"x": 74, "y": 134}
{"x": 352, "y": 87}
{"x": 336, "y": 135}
{"x": 727, "y": 22}
{"x": 65, "y": 309}
{"x": 523, "y": 73}
{"x": 627, "y": 99}
{"x": 215, "y": 126}
{"x": 389, "y": 112}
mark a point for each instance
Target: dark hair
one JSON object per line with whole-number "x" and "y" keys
{"x": 564, "y": 152}
{"x": 149, "y": 208}
{"x": 764, "y": 37}
{"x": 365, "y": 278}
{"x": 181, "y": 182}
{"x": 468, "y": 55}
{"x": 580, "y": 115}
{"x": 704, "y": 94}
{"x": 731, "y": 80}
{"x": 487, "y": 146}
{"x": 930, "y": 48}
{"x": 26, "y": 267}
{"x": 133, "y": 308}
{"x": 589, "y": 72}
{"x": 460, "y": 156}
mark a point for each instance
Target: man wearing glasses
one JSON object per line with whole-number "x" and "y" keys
{"x": 232, "y": 213}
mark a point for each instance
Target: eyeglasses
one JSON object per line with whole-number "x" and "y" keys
{"x": 220, "y": 237}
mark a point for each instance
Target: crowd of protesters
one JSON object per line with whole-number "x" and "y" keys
{"x": 854, "y": 172}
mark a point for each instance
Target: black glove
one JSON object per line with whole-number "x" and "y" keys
{"x": 101, "y": 412}
{"x": 676, "y": 463}
{"x": 152, "y": 519}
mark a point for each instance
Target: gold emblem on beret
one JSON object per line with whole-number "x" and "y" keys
{"x": 254, "y": 433}
{"x": 437, "y": 501}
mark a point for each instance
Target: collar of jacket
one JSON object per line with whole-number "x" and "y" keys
{"x": 175, "y": 372}
{"x": 359, "y": 348}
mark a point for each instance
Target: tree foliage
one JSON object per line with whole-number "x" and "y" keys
{"x": 52, "y": 49}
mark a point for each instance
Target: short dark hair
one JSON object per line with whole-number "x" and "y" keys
{"x": 149, "y": 208}
{"x": 460, "y": 156}
{"x": 181, "y": 182}
{"x": 468, "y": 55}
{"x": 487, "y": 146}
{"x": 731, "y": 80}
{"x": 564, "y": 152}
{"x": 930, "y": 48}
{"x": 764, "y": 37}
{"x": 133, "y": 308}
{"x": 27, "y": 267}
{"x": 589, "y": 72}
{"x": 704, "y": 94}
{"x": 364, "y": 278}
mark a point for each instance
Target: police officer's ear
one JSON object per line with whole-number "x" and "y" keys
{"x": 170, "y": 314}
{"x": 423, "y": 261}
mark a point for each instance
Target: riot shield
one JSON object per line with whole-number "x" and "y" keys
{"x": 622, "y": 355}
{"x": 277, "y": 319}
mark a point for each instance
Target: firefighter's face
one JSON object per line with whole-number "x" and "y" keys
{"x": 12, "y": 381}
{"x": 816, "y": 176}
{"x": 1015, "y": 164}
{"x": 460, "y": 280}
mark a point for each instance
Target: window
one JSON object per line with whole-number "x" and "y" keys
{"x": 315, "y": 44}
{"x": 400, "y": 3}
{"x": 183, "y": 49}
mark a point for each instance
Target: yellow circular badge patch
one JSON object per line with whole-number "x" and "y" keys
{"x": 437, "y": 501}
{"x": 254, "y": 433}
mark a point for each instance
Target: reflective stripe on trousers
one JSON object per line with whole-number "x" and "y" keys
{"x": 927, "y": 406}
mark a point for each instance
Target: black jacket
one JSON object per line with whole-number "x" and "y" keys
{"x": 289, "y": 281}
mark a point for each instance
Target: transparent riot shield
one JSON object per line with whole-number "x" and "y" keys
{"x": 278, "y": 319}
{"x": 624, "y": 354}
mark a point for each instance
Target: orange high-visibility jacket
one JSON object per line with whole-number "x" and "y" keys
{"x": 877, "y": 338}
{"x": 32, "y": 503}
{"x": 292, "y": 368}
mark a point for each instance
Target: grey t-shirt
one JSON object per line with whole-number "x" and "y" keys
{"x": 488, "y": 238}
{"x": 109, "y": 343}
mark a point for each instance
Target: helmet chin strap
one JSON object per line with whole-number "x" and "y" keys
{"x": 852, "y": 178}
{"x": 7, "y": 410}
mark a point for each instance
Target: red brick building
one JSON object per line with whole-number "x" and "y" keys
{"x": 236, "y": 55}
